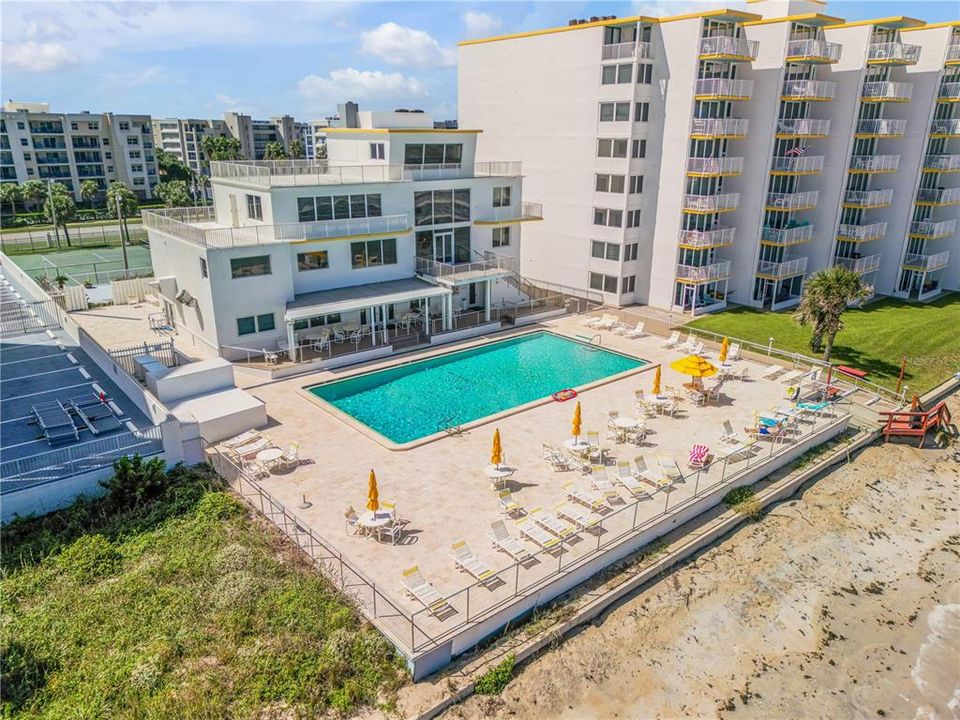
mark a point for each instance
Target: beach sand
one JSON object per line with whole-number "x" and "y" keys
{"x": 842, "y": 602}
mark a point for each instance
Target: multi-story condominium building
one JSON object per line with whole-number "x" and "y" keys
{"x": 723, "y": 156}
{"x": 255, "y": 135}
{"x": 400, "y": 233}
{"x": 69, "y": 148}
{"x": 183, "y": 138}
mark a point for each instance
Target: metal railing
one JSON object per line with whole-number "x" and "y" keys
{"x": 874, "y": 163}
{"x": 450, "y": 271}
{"x": 862, "y": 265}
{"x": 953, "y": 53}
{"x": 526, "y": 210}
{"x": 786, "y": 236}
{"x": 894, "y": 53}
{"x": 279, "y": 173}
{"x": 715, "y": 166}
{"x": 931, "y": 230}
{"x": 926, "y": 263}
{"x": 887, "y": 91}
{"x": 887, "y": 128}
{"x": 711, "y": 203}
{"x": 23, "y": 317}
{"x": 729, "y": 47}
{"x": 803, "y": 127}
{"x": 792, "y": 201}
{"x": 941, "y": 162}
{"x": 703, "y": 273}
{"x": 813, "y": 50}
{"x": 939, "y": 196}
{"x": 724, "y": 88}
{"x": 949, "y": 127}
{"x": 809, "y": 89}
{"x": 625, "y": 51}
{"x": 785, "y": 269}
{"x": 862, "y": 233}
{"x": 718, "y": 237}
{"x": 720, "y": 127}
{"x": 868, "y": 198}
{"x": 794, "y": 164}
{"x": 949, "y": 91}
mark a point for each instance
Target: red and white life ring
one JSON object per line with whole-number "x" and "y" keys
{"x": 564, "y": 395}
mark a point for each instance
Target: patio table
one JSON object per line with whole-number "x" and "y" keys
{"x": 269, "y": 455}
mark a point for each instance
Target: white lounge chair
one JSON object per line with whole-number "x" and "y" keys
{"x": 650, "y": 476}
{"x": 598, "y": 478}
{"x": 731, "y": 436}
{"x": 771, "y": 372}
{"x": 242, "y": 439}
{"x": 503, "y": 540}
{"x": 626, "y": 478}
{"x": 579, "y": 516}
{"x": 465, "y": 559}
{"x": 689, "y": 343}
{"x": 592, "y": 500}
{"x": 556, "y": 457}
{"x": 733, "y": 352}
{"x": 636, "y": 331}
{"x": 552, "y": 523}
{"x": 669, "y": 468}
{"x": 673, "y": 340}
{"x": 788, "y": 377}
{"x": 418, "y": 588}
{"x": 507, "y": 504}
{"x": 536, "y": 534}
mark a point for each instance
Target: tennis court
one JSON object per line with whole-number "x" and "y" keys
{"x": 88, "y": 265}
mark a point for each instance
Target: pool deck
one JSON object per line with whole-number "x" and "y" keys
{"x": 440, "y": 488}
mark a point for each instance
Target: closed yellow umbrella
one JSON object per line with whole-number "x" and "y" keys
{"x": 656, "y": 381}
{"x": 496, "y": 457}
{"x": 724, "y": 348}
{"x": 695, "y": 366}
{"x": 576, "y": 421}
{"x": 373, "y": 495}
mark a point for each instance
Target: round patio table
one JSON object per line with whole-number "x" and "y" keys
{"x": 576, "y": 445}
{"x": 626, "y": 423}
{"x": 269, "y": 455}
{"x": 373, "y": 520}
{"x": 498, "y": 472}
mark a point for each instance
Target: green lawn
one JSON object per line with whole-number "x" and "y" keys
{"x": 182, "y": 607}
{"x": 875, "y": 338}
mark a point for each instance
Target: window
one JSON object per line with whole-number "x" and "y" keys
{"x": 124, "y": 125}
{"x": 105, "y": 141}
{"x": 501, "y": 236}
{"x": 373, "y": 253}
{"x": 641, "y": 112}
{"x": 94, "y": 126}
{"x": 339, "y": 207}
{"x": 203, "y": 268}
{"x": 250, "y": 266}
{"x": 256, "y": 323}
{"x": 24, "y": 141}
{"x": 74, "y": 126}
{"x": 133, "y": 140}
{"x": 136, "y": 167}
{"x": 134, "y": 154}
{"x": 616, "y": 74}
{"x": 636, "y": 184}
{"x": 611, "y": 218}
{"x": 603, "y": 283}
{"x": 608, "y": 147}
{"x": 633, "y": 218}
{"x": 108, "y": 156}
{"x": 138, "y": 181}
{"x": 604, "y": 250}
{"x": 614, "y": 112}
{"x": 313, "y": 260}
{"x": 376, "y": 151}
{"x": 629, "y": 284}
{"x": 609, "y": 183}
{"x": 432, "y": 154}
{"x": 630, "y": 251}
{"x": 20, "y": 126}
{"x": 440, "y": 207}
{"x": 254, "y": 207}
{"x": 639, "y": 149}
{"x": 265, "y": 322}
{"x": 645, "y": 74}
{"x": 501, "y": 196}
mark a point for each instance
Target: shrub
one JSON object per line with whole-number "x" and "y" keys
{"x": 90, "y": 558}
{"x": 744, "y": 501}
{"x": 136, "y": 481}
{"x": 217, "y": 506}
{"x": 496, "y": 678}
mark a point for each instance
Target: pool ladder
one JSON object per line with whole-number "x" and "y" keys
{"x": 450, "y": 425}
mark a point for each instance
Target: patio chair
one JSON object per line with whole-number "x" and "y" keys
{"x": 669, "y": 468}
{"x": 536, "y": 534}
{"x": 648, "y": 475}
{"x": 741, "y": 374}
{"x": 339, "y": 335}
{"x": 626, "y": 478}
{"x": 270, "y": 356}
{"x": 419, "y": 589}
{"x": 607, "y": 322}
{"x": 585, "y": 497}
{"x": 507, "y": 504}
{"x": 673, "y": 340}
{"x": 320, "y": 344}
{"x": 252, "y": 448}
{"x": 637, "y": 331}
{"x": 552, "y": 523}
{"x": 389, "y": 507}
{"x": 713, "y": 391}
{"x": 698, "y": 397}
{"x": 291, "y": 456}
{"x": 556, "y": 457}
{"x": 353, "y": 521}
{"x": 503, "y": 540}
{"x": 645, "y": 408}
{"x": 699, "y": 457}
{"x": 598, "y": 478}
{"x": 356, "y": 337}
{"x": 771, "y": 372}
{"x": 583, "y": 519}
{"x": 256, "y": 468}
{"x": 465, "y": 560}
{"x": 393, "y": 530}
{"x": 613, "y": 432}
{"x": 593, "y": 440}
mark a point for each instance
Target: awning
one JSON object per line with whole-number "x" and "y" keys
{"x": 360, "y": 297}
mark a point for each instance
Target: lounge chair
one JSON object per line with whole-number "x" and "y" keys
{"x": 583, "y": 496}
{"x": 731, "y": 436}
{"x": 252, "y": 448}
{"x": 626, "y": 478}
{"x": 556, "y": 457}
{"x": 648, "y": 475}
{"x": 507, "y": 504}
{"x": 598, "y": 478}
{"x": 669, "y": 468}
{"x": 733, "y": 352}
{"x": 465, "y": 559}
{"x": 579, "y": 516}
{"x": 596, "y": 449}
{"x": 771, "y": 372}
{"x": 552, "y": 523}
{"x": 688, "y": 343}
{"x": 673, "y": 340}
{"x": 713, "y": 391}
{"x": 242, "y": 439}
{"x": 536, "y": 534}
{"x": 637, "y": 331}
{"x": 418, "y": 588}
{"x": 788, "y": 377}
{"x": 503, "y": 540}
{"x": 699, "y": 457}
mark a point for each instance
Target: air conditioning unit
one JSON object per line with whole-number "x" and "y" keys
{"x": 185, "y": 298}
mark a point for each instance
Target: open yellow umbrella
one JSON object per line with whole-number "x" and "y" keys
{"x": 694, "y": 366}
{"x": 496, "y": 456}
{"x": 373, "y": 495}
{"x": 656, "y": 381}
{"x": 724, "y": 348}
{"x": 576, "y": 421}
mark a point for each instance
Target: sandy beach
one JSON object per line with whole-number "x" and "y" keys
{"x": 843, "y": 602}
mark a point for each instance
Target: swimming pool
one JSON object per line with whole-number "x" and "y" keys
{"x": 411, "y": 401}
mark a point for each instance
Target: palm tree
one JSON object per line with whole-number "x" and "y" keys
{"x": 34, "y": 191}
{"x": 825, "y": 297}
{"x": 296, "y": 150}
{"x": 60, "y": 208}
{"x": 274, "y": 151}
{"x": 89, "y": 191}
{"x": 10, "y": 193}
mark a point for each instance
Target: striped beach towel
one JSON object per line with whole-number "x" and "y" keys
{"x": 699, "y": 455}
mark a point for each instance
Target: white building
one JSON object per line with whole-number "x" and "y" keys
{"x": 70, "y": 148}
{"x": 689, "y": 160}
{"x": 399, "y": 238}
{"x": 183, "y": 138}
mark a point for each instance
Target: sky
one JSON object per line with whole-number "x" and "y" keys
{"x": 201, "y": 59}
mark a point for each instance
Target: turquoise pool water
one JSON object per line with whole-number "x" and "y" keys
{"x": 412, "y": 401}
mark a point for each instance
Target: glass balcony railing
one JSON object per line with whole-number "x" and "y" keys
{"x": 945, "y": 128}
{"x": 928, "y": 230}
{"x": 941, "y": 163}
{"x": 796, "y": 165}
{"x": 625, "y": 51}
{"x": 696, "y": 274}
{"x": 780, "y": 270}
{"x": 714, "y": 167}
{"x": 867, "y": 198}
{"x": 803, "y": 127}
{"x": 893, "y": 53}
{"x": 949, "y": 92}
{"x": 730, "y": 128}
{"x": 886, "y": 92}
{"x": 812, "y": 51}
{"x": 861, "y": 265}
{"x": 938, "y": 196}
{"x": 728, "y": 48}
{"x": 881, "y": 128}
{"x": 710, "y": 203}
{"x": 701, "y": 239}
{"x": 862, "y": 233}
{"x": 808, "y": 90}
{"x": 789, "y": 202}
{"x": 926, "y": 263}
{"x": 874, "y": 163}
{"x": 723, "y": 89}
{"x": 786, "y": 236}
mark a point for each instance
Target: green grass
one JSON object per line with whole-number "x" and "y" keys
{"x": 183, "y": 606}
{"x": 875, "y": 338}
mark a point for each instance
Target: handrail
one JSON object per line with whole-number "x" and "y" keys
{"x": 724, "y": 87}
{"x": 784, "y": 269}
{"x": 862, "y": 265}
{"x": 893, "y": 51}
{"x": 787, "y": 236}
{"x": 817, "y": 49}
{"x": 715, "y": 165}
{"x": 941, "y": 162}
{"x": 717, "y": 237}
{"x": 711, "y": 203}
{"x": 703, "y": 273}
{"x": 729, "y": 46}
{"x": 868, "y": 197}
{"x": 280, "y": 173}
{"x": 803, "y": 127}
{"x": 875, "y": 163}
{"x": 945, "y": 127}
{"x": 625, "y": 51}
{"x": 887, "y": 90}
{"x": 939, "y": 195}
{"x": 730, "y": 127}
{"x": 802, "y": 164}
{"x": 881, "y": 126}
{"x": 819, "y": 89}
{"x": 444, "y": 270}
{"x": 930, "y": 229}
{"x": 949, "y": 90}
{"x": 792, "y": 201}
{"x": 927, "y": 263}
{"x": 863, "y": 233}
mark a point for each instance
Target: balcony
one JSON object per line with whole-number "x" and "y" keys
{"x": 781, "y": 270}
{"x": 809, "y": 90}
{"x": 803, "y": 128}
{"x": 865, "y": 199}
{"x": 893, "y": 53}
{"x": 625, "y": 51}
{"x": 452, "y": 274}
{"x": 306, "y": 173}
{"x": 706, "y": 239}
{"x": 699, "y": 274}
{"x": 812, "y": 51}
{"x": 927, "y": 230}
{"x": 938, "y": 197}
{"x": 723, "y": 89}
{"x": 784, "y": 237}
{"x": 526, "y": 212}
{"x": 874, "y": 164}
{"x": 880, "y": 128}
{"x": 861, "y": 233}
{"x": 861, "y": 265}
{"x": 945, "y": 128}
{"x": 719, "y": 128}
{"x": 728, "y": 48}
{"x": 949, "y": 93}
{"x": 49, "y": 144}
{"x": 796, "y": 165}
{"x": 926, "y": 263}
{"x": 941, "y": 163}
{"x": 714, "y": 167}
{"x": 791, "y": 202}
{"x": 706, "y": 204}
{"x": 953, "y": 54}
{"x": 85, "y": 143}
{"x": 886, "y": 92}
{"x": 52, "y": 159}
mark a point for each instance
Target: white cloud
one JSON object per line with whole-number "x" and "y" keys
{"x": 479, "y": 24}
{"x": 227, "y": 102}
{"x": 38, "y": 57}
{"x": 152, "y": 75}
{"x": 352, "y": 84}
{"x": 400, "y": 45}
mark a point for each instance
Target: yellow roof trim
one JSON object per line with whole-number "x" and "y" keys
{"x": 399, "y": 130}
{"x": 811, "y": 18}
{"x": 895, "y": 22}
{"x": 932, "y": 26}
{"x": 739, "y": 15}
